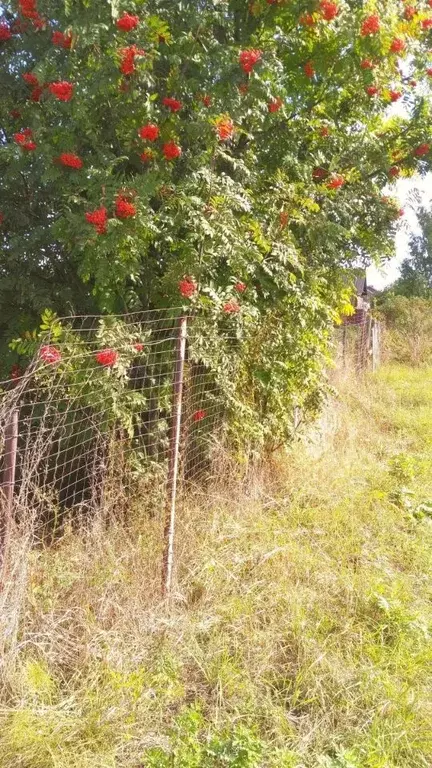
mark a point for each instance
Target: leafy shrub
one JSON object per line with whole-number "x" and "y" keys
{"x": 408, "y": 335}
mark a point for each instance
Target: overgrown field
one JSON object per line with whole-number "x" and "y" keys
{"x": 299, "y": 636}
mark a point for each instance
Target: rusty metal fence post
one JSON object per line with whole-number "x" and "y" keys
{"x": 8, "y": 483}
{"x": 173, "y": 458}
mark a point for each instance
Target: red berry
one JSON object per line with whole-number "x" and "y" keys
{"x": 249, "y": 58}
{"x": 307, "y": 20}
{"x": 70, "y": 160}
{"x": 50, "y": 355}
{"x": 127, "y": 22}
{"x": 397, "y": 45}
{"x": 187, "y": 287}
{"x": 421, "y": 150}
{"x": 107, "y": 357}
{"x": 395, "y": 95}
{"x": 171, "y": 150}
{"x": 5, "y": 32}
{"x": 371, "y": 25}
{"x": 231, "y": 307}
{"x": 124, "y": 209}
{"x": 30, "y": 78}
{"x": 99, "y": 219}
{"x": 224, "y": 128}
{"x": 336, "y": 181}
{"x": 62, "y": 90}
{"x": 329, "y": 10}
{"x": 149, "y": 132}
{"x": 275, "y": 104}
{"x": 309, "y": 69}
{"x": 199, "y": 415}
{"x": 174, "y": 105}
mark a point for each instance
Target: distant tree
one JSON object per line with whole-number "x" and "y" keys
{"x": 416, "y": 269}
{"x": 408, "y": 328}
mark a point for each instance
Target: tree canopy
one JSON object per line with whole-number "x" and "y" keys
{"x": 222, "y": 153}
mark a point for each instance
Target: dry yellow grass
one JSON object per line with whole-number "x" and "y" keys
{"x": 299, "y": 632}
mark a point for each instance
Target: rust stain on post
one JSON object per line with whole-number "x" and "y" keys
{"x": 173, "y": 459}
{"x": 8, "y": 483}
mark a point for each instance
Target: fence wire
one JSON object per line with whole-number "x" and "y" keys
{"x": 94, "y": 416}
{"x": 87, "y": 428}
{"x": 357, "y": 344}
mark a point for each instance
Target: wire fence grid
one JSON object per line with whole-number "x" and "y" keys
{"x": 118, "y": 411}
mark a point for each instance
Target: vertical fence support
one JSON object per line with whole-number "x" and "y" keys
{"x": 374, "y": 349}
{"x": 173, "y": 459}
{"x": 375, "y": 345}
{"x": 378, "y": 335}
{"x": 344, "y": 346}
{"x": 8, "y": 483}
{"x": 363, "y": 344}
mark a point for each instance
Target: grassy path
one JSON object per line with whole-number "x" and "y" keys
{"x": 300, "y": 635}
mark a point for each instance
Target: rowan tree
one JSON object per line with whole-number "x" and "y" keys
{"x": 147, "y": 146}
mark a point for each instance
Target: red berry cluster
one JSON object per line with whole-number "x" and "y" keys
{"x": 62, "y": 40}
{"x": 99, "y": 219}
{"x": 107, "y": 357}
{"x": 171, "y": 150}
{"x": 329, "y": 10}
{"x": 249, "y": 58}
{"x": 224, "y": 128}
{"x": 24, "y": 139}
{"x": 174, "y": 105}
{"x": 150, "y": 132}
{"x": 336, "y": 181}
{"x": 187, "y": 287}
{"x": 62, "y": 90}
{"x": 127, "y": 59}
{"x": 69, "y": 160}
{"x": 371, "y": 25}
{"x": 397, "y": 45}
{"x": 5, "y": 32}
{"x": 50, "y": 355}
{"x": 124, "y": 209}
{"x": 127, "y": 22}
{"x": 275, "y": 105}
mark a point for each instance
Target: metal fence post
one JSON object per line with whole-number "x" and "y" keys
{"x": 344, "y": 345}
{"x": 375, "y": 345}
{"x": 8, "y": 483}
{"x": 173, "y": 459}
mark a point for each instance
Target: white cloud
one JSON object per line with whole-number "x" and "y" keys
{"x": 411, "y": 193}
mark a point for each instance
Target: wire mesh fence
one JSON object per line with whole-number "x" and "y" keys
{"x": 110, "y": 412}
{"x": 358, "y": 343}
{"x": 117, "y": 411}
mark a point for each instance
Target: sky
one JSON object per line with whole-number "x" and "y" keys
{"x": 410, "y": 193}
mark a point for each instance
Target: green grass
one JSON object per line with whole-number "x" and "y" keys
{"x": 299, "y": 635}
